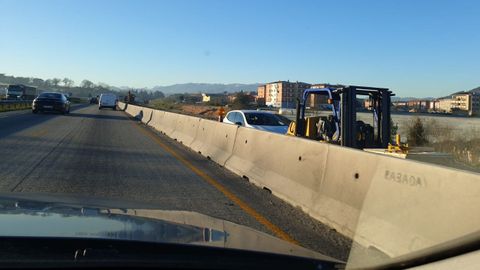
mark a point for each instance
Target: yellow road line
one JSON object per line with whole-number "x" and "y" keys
{"x": 249, "y": 210}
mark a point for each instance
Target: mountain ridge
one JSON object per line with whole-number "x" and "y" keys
{"x": 212, "y": 88}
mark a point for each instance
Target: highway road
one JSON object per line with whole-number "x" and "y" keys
{"x": 105, "y": 154}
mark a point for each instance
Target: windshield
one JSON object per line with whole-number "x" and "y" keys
{"x": 14, "y": 88}
{"x": 266, "y": 119}
{"x": 346, "y": 131}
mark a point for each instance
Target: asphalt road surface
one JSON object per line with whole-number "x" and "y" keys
{"x": 104, "y": 154}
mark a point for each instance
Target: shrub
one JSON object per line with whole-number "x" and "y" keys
{"x": 416, "y": 134}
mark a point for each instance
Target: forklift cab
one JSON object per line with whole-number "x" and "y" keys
{"x": 338, "y": 123}
{"x": 325, "y": 127}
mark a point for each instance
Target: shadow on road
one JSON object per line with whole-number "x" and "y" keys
{"x": 98, "y": 116}
{"x": 21, "y": 121}
{"x": 124, "y": 107}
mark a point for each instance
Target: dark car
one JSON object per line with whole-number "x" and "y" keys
{"x": 51, "y": 102}
{"x": 93, "y": 100}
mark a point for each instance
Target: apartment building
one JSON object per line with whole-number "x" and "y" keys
{"x": 443, "y": 105}
{"x": 475, "y": 105}
{"x": 461, "y": 102}
{"x": 261, "y": 93}
{"x": 419, "y": 105}
{"x": 283, "y": 94}
{"x": 466, "y": 103}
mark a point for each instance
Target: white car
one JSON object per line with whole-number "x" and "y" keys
{"x": 107, "y": 101}
{"x": 260, "y": 120}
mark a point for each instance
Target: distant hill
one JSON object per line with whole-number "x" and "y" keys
{"x": 205, "y": 88}
{"x": 475, "y": 90}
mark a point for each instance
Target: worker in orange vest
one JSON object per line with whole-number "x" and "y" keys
{"x": 221, "y": 114}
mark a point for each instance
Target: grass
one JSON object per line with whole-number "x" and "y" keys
{"x": 164, "y": 104}
{"x": 14, "y": 107}
{"x": 464, "y": 145}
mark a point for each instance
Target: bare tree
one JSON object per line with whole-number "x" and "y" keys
{"x": 103, "y": 85}
{"x": 56, "y": 81}
{"x": 67, "y": 82}
{"x": 87, "y": 84}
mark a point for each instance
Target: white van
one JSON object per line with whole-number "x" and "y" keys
{"x": 107, "y": 100}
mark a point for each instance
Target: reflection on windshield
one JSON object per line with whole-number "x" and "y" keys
{"x": 266, "y": 119}
{"x": 50, "y": 95}
{"x": 92, "y": 223}
{"x": 37, "y": 219}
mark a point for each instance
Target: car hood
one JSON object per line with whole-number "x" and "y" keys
{"x": 51, "y": 216}
{"x": 275, "y": 129}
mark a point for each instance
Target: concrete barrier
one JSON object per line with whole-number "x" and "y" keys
{"x": 215, "y": 140}
{"x": 169, "y": 123}
{"x": 157, "y": 120}
{"x": 122, "y": 106}
{"x": 347, "y": 179}
{"x": 292, "y": 168}
{"x": 328, "y": 182}
{"x": 396, "y": 206}
{"x": 143, "y": 114}
{"x": 379, "y": 201}
{"x": 186, "y": 129}
{"x": 147, "y": 115}
{"x": 133, "y": 110}
{"x": 410, "y": 206}
{"x": 212, "y": 139}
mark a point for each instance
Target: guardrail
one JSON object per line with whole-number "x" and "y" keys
{"x": 394, "y": 205}
{"x": 12, "y": 105}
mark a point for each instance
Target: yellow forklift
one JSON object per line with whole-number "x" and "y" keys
{"x": 340, "y": 124}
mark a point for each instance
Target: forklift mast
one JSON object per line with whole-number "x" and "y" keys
{"x": 380, "y": 104}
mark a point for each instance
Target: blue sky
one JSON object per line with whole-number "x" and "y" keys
{"x": 416, "y": 48}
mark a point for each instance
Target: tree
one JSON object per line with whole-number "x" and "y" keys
{"x": 416, "y": 133}
{"x": 56, "y": 81}
{"x": 158, "y": 94}
{"x": 103, "y": 85}
{"x": 241, "y": 101}
{"x": 38, "y": 82}
{"x": 87, "y": 84}
{"x": 67, "y": 82}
